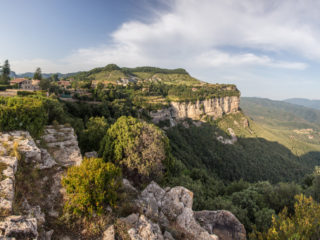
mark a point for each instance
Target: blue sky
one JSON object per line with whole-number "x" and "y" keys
{"x": 268, "y": 48}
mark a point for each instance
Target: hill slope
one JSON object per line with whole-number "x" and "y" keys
{"x": 294, "y": 126}
{"x": 305, "y": 102}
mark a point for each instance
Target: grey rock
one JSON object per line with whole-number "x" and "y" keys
{"x": 48, "y": 235}
{"x": 19, "y": 227}
{"x": 131, "y": 219}
{"x": 175, "y": 200}
{"x": 46, "y": 160}
{"x": 62, "y": 143}
{"x": 173, "y": 206}
{"x": 7, "y": 184}
{"x": 167, "y": 236}
{"x": 144, "y": 229}
{"x": 92, "y": 154}
{"x": 221, "y": 223}
{"x": 34, "y": 212}
{"x": 128, "y": 186}
{"x": 109, "y": 234}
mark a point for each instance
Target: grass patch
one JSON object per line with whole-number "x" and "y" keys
{"x": 3, "y": 167}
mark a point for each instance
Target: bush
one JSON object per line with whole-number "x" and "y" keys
{"x": 25, "y": 93}
{"x": 22, "y": 113}
{"x": 91, "y": 187}
{"x": 4, "y": 87}
{"x": 142, "y": 149}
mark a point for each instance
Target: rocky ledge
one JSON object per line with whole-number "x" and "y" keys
{"x": 49, "y": 157}
{"x": 166, "y": 214}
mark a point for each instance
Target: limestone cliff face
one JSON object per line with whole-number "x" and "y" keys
{"x": 215, "y": 107}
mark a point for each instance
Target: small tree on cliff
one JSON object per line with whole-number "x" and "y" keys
{"x": 91, "y": 187}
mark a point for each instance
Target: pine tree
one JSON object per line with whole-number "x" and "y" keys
{"x": 5, "y": 76}
{"x": 37, "y": 75}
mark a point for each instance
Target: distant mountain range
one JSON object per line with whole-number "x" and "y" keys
{"x": 44, "y": 75}
{"x": 305, "y": 102}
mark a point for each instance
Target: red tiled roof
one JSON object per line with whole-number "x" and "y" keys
{"x": 18, "y": 80}
{"x": 65, "y": 83}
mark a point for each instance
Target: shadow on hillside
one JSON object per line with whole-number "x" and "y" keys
{"x": 252, "y": 159}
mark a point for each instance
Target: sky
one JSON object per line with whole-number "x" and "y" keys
{"x": 268, "y": 48}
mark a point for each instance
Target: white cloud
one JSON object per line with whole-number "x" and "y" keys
{"x": 194, "y": 32}
{"x": 216, "y": 58}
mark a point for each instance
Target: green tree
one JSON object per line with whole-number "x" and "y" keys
{"x": 140, "y": 148}
{"x": 5, "y": 73}
{"x": 91, "y": 187}
{"x": 44, "y": 84}
{"x": 304, "y": 224}
{"x": 91, "y": 137}
{"x": 38, "y": 74}
{"x": 55, "y": 77}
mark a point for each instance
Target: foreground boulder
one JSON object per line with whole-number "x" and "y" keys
{"x": 221, "y": 223}
{"x": 171, "y": 211}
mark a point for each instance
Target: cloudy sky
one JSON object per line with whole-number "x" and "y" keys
{"x": 267, "y": 48}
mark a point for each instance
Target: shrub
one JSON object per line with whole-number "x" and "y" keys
{"x": 91, "y": 187}
{"x": 4, "y": 87}
{"x": 25, "y": 93}
{"x": 142, "y": 149}
{"x": 22, "y": 113}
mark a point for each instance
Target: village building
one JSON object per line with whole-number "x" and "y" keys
{"x": 64, "y": 84}
{"x": 26, "y": 84}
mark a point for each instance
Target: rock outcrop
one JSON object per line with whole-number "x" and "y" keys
{"x": 215, "y": 108}
{"x": 62, "y": 144}
{"x": 57, "y": 149}
{"x": 162, "y": 211}
{"x": 19, "y": 227}
{"x": 221, "y": 223}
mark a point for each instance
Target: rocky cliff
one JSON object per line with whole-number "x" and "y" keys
{"x": 30, "y": 187}
{"x": 199, "y": 110}
{"x": 31, "y": 197}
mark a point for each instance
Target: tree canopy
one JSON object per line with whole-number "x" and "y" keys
{"x": 38, "y": 74}
{"x": 142, "y": 149}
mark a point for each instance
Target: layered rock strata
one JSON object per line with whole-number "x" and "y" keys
{"x": 215, "y": 108}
